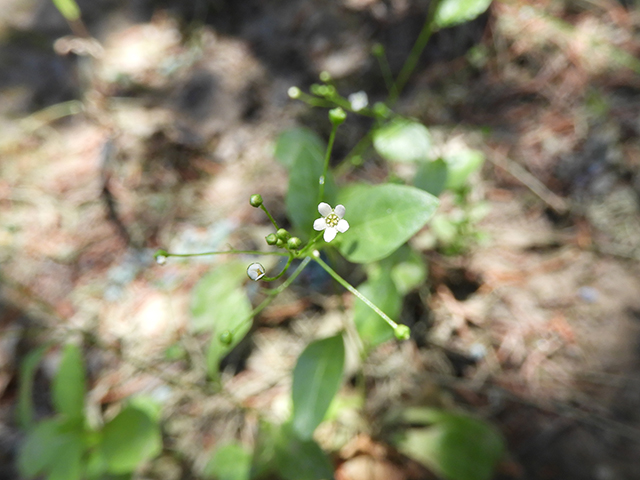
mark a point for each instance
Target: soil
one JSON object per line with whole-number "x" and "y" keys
{"x": 155, "y": 132}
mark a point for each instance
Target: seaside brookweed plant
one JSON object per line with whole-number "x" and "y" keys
{"x": 311, "y": 188}
{"x": 382, "y": 218}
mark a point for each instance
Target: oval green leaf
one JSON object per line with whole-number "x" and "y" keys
{"x": 454, "y": 12}
{"x": 402, "y": 140}
{"x": 129, "y": 439}
{"x": 303, "y": 194}
{"x": 218, "y": 303}
{"x": 458, "y": 447}
{"x": 408, "y": 269}
{"x": 231, "y": 461}
{"x": 316, "y": 379}
{"x": 28, "y": 369}
{"x": 67, "y": 465}
{"x": 210, "y": 305}
{"x": 45, "y": 447}
{"x": 432, "y": 177}
{"x": 299, "y": 142}
{"x": 69, "y": 387}
{"x": 296, "y": 458}
{"x": 460, "y": 166}
{"x": 382, "y": 218}
{"x": 372, "y": 329}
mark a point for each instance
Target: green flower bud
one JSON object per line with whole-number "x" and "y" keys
{"x": 294, "y": 243}
{"x": 377, "y": 49}
{"x": 316, "y": 89}
{"x": 381, "y": 110}
{"x": 402, "y": 332}
{"x": 282, "y": 234}
{"x": 271, "y": 239}
{"x": 226, "y": 337}
{"x": 337, "y": 116}
{"x": 280, "y": 243}
{"x": 256, "y": 200}
{"x": 325, "y": 76}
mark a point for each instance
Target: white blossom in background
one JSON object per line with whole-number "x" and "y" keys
{"x": 255, "y": 271}
{"x": 331, "y": 221}
{"x": 358, "y": 100}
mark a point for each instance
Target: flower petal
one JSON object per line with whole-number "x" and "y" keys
{"x": 329, "y": 234}
{"x": 343, "y": 225}
{"x": 325, "y": 209}
{"x": 340, "y": 210}
{"x": 320, "y": 224}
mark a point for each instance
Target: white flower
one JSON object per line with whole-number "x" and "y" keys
{"x": 331, "y": 221}
{"x": 255, "y": 271}
{"x": 358, "y": 100}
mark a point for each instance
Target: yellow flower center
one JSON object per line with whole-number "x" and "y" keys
{"x": 332, "y": 219}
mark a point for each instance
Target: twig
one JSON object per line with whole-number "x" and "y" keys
{"x": 528, "y": 180}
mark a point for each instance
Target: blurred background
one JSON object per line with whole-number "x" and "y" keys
{"x": 148, "y": 124}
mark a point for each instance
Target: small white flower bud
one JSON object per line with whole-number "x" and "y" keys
{"x": 358, "y": 100}
{"x": 255, "y": 271}
{"x": 294, "y": 92}
{"x": 161, "y": 259}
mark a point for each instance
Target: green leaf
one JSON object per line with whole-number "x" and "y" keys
{"x": 300, "y": 459}
{"x": 131, "y": 438}
{"x": 402, "y": 140}
{"x": 209, "y": 308}
{"x": 28, "y": 370}
{"x": 444, "y": 229}
{"x": 234, "y": 313}
{"x": 263, "y": 464}
{"x": 454, "y": 12}
{"x": 231, "y": 461}
{"x": 46, "y": 446}
{"x": 303, "y": 193}
{"x": 218, "y": 303}
{"x": 302, "y": 152}
{"x": 372, "y": 329}
{"x": 69, "y": 387}
{"x": 299, "y": 142}
{"x": 382, "y": 218}
{"x": 458, "y": 447}
{"x": 460, "y": 165}
{"x": 39, "y": 449}
{"x": 68, "y": 8}
{"x": 316, "y": 379}
{"x": 408, "y": 269}
{"x": 432, "y": 177}
{"x": 67, "y": 465}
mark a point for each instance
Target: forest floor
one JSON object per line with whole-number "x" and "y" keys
{"x": 160, "y": 137}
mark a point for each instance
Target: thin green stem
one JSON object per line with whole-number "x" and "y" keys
{"x": 418, "y": 47}
{"x": 314, "y": 101}
{"x": 386, "y": 72}
{"x": 353, "y": 290}
{"x": 327, "y": 156}
{"x": 271, "y": 294}
{"x": 358, "y": 150}
{"x": 286, "y": 267}
{"x": 248, "y": 252}
{"x": 264, "y": 209}
{"x": 309, "y": 245}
